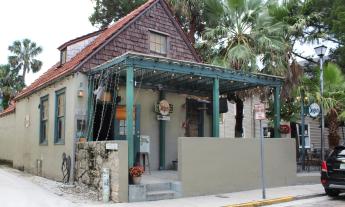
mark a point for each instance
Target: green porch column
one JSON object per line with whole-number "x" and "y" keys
{"x": 162, "y": 125}
{"x": 277, "y": 111}
{"x": 90, "y": 107}
{"x": 215, "y": 111}
{"x": 129, "y": 114}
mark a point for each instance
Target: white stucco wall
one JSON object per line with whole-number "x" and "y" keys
{"x": 26, "y": 136}
{"x": 7, "y": 137}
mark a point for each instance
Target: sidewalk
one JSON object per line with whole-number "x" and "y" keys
{"x": 21, "y": 189}
{"x": 231, "y": 199}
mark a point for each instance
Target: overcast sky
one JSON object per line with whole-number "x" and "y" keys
{"x": 50, "y": 23}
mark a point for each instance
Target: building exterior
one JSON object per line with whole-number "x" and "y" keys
{"x": 140, "y": 77}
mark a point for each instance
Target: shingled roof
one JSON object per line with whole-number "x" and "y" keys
{"x": 58, "y": 71}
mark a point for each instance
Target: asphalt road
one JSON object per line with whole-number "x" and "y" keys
{"x": 323, "y": 201}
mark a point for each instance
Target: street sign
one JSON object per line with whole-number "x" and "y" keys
{"x": 314, "y": 110}
{"x": 260, "y": 112}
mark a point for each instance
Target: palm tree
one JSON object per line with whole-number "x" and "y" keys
{"x": 243, "y": 31}
{"x": 23, "y": 57}
{"x": 333, "y": 100}
{"x": 10, "y": 84}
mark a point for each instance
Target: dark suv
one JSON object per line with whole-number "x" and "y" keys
{"x": 333, "y": 172}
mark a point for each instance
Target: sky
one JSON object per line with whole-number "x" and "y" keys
{"x": 49, "y": 23}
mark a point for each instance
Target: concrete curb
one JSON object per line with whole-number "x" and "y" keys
{"x": 267, "y": 202}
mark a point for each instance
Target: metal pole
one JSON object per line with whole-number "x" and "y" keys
{"x": 262, "y": 162}
{"x": 322, "y": 115}
{"x": 302, "y": 130}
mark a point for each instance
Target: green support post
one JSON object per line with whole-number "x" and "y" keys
{"x": 90, "y": 109}
{"x": 114, "y": 116}
{"x": 277, "y": 112}
{"x": 161, "y": 137}
{"x": 215, "y": 111}
{"x": 129, "y": 114}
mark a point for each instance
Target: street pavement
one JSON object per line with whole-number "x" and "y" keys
{"x": 18, "y": 189}
{"x": 323, "y": 201}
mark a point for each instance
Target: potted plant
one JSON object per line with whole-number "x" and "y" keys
{"x": 81, "y": 136}
{"x": 136, "y": 172}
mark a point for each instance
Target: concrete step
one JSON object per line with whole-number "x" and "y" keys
{"x": 158, "y": 187}
{"x": 160, "y": 195}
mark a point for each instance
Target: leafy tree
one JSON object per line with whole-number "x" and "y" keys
{"x": 10, "y": 83}
{"x": 191, "y": 15}
{"x": 23, "y": 57}
{"x": 108, "y": 11}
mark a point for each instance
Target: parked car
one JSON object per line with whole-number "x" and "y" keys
{"x": 333, "y": 172}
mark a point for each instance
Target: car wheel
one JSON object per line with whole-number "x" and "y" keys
{"x": 332, "y": 192}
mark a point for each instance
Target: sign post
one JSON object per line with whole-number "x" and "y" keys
{"x": 260, "y": 114}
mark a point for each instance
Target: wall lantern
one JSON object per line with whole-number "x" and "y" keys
{"x": 81, "y": 93}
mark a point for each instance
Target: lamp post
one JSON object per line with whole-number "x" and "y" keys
{"x": 320, "y": 51}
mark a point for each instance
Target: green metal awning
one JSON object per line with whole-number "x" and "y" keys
{"x": 179, "y": 76}
{"x": 184, "y": 76}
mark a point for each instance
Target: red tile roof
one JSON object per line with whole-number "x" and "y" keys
{"x": 59, "y": 71}
{"x": 10, "y": 109}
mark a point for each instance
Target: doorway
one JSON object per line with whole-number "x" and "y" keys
{"x": 194, "y": 118}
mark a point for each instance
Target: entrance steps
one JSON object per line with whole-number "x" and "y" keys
{"x": 154, "y": 191}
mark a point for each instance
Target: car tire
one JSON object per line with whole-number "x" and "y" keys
{"x": 332, "y": 192}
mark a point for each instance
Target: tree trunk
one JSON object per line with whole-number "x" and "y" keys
{"x": 239, "y": 118}
{"x": 192, "y": 30}
{"x": 333, "y": 136}
{"x": 23, "y": 76}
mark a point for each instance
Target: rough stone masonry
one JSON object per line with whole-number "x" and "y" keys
{"x": 91, "y": 157}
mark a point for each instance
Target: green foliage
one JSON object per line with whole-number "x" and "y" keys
{"x": 10, "y": 83}
{"x": 243, "y": 30}
{"x": 23, "y": 57}
{"x": 108, "y": 11}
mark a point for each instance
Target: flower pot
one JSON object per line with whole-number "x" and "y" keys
{"x": 136, "y": 180}
{"x": 82, "y": 139}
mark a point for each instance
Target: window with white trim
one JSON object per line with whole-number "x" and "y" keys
{"x": 158, "y": 43}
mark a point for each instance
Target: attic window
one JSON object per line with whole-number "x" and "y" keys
{"x": 63, "y": 56}
{"x": 158, "y": 43}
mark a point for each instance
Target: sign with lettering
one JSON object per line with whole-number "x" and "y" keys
{"x": 314, "y": 110}
{"x": 260, "y": 112}
{"x": 111, "y": 146}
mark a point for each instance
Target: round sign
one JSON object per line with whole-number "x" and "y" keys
{"x": 164, "y": 107}
{"x": 314, "y": 110}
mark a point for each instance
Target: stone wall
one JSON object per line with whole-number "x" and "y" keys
{"x": 92, "y": 157}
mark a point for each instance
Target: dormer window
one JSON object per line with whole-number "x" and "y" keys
{"x": 158, "y": 43}
{"x": 63, "y": 56}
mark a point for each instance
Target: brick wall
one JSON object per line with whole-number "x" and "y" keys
{"x": 136, "y": 38}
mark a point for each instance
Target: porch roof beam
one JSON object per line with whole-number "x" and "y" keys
{"x": 204, "y": 72}
{"x": 113, "y": 62}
